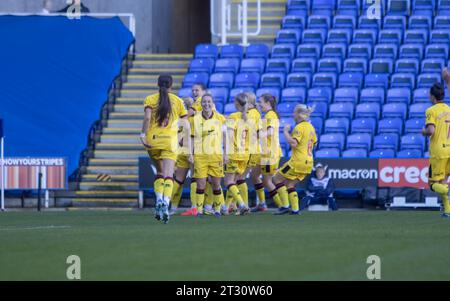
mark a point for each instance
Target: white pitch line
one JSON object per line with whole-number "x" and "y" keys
{"x": 35, "y": 228}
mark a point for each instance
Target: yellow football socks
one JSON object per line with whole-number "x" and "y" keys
{"x": 259, "y": 187}
{"x": 293, "y": 199}
{"x": 159, "y": 187}
{"x": 276, "y": 198}
{"x": 243, "y": 190}
{"x": 168, "y": 189}
{"x": 200, "y": 198}
{"x": 236, "y": 194}
{"x": 218, "y": 200}
{"x": 193, "y": 193}
{"x": 176, "y": 194}
{"x": 284, "y": 197}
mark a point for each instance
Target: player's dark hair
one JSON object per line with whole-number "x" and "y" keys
{"x": 164, "y": 107}
{"x": 201, "y": 85}
{"x": 272, "y": 100}
{"x": 437, "y": 90}
{"x": 208, "y": 95}
{"x": 242, "y": 100}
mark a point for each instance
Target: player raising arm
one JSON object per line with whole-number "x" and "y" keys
{"x": 437, "y": 127}
{"x": 300, "y": 165}
{"x": 160, "y": 137}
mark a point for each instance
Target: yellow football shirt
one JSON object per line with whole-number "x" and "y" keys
{"x": 164, "y": 137}
{"x": 271, "y": 144}
{"x": 254, "y": 121}
{"x": 208, "y": 136}
{"x": 239, "y": 142}
{"x": 197, "y": 106}
{"x": 302, "y": 154}
{"x": 439, "y": 116}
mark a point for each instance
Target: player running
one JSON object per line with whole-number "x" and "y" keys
{"x": 300, "y": 165}
{"x": 237, "y": 139}
{"x": 160, "y": 137}
{"x": 208, "y": 132}
{"x": 437, "y": 127}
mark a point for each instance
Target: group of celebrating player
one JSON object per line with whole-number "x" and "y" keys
{"x": 189, "y": 134}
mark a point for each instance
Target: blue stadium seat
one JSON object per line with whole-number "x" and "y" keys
{"x": 414, "y": 126}
{"x": 376, "y": 80}
{"x": 426, "y": 80}
{"x": 355, "y": 65}
{"x": 283, "y": 51}
{"x": 337, "y": 125}
{"x": 339, "y": 36}
{"x": 423, "y": 5}
{"x": 320, "y": 94}
{"x": 329, "y": 65}
{"x": 349, "y": 7}
{"x": 298, "y": 79}
{"x": 288, "y": 36}
{"x": 443, "y": 7}
{"x": 341, "y": 109}
{"x": 394, "y": 110}
{"x": 368, "y": 109}
{"x": 351, "y": 80}
{"x": 314, "y": 36}
{"x": 386, "y": 36}
{"x": 359, "y": 140}
{"x": 285, "y": 109}
{"x": 248, "y": 80}
{"x": 220, "y": 94}
{"x": 320, "y": 109}
{"x": 232, "y": 51}
{"x": 407, "y": 65}
{"x": 394, "y": 22}
{"x": 309, "y": 50}
{"x": 419, "y": 22}
{"x": 274, "y": 79}
{"x": 381, "y": 65}
{"x": 332, "y": 140}
{"x": 272, "y": 91}
{"x": 419, "y": 36}
{"x": 363, "y": 125}
{"x": 402, "y": 95}
{"x": 217, "y": 80}
{"x": 414, "y": 51}
{"x": 440, "y": 36}
{"x": 372, "y": 95}
{"x": 236, "y": 91}
{"x": 219, "y": 107}
{"x": 317, "y": 123}
{"x": 398, "y": 7}
{"x": 293, "y": 22}
{"x": 348, "y": 95}
{"x": 354, "y": 153}
{"x": 409, "y": 154}
{"x": 360, "y": 50}
{"x": 417, "y": 110}
{"x": 227, "y": 65}
{"x": 253, "y": 65}
{"x": 201, "y": 65}
{"x": 327, "y": 153}
{"x": 323, "y": 7}
{"x": 412, "y": 141}
{"x": 284, "y": 121}
{"x": 324, "y": 79}
{"x": 337, "y": 50}
{"x": 388, "y": 51}
{"x": 193, "y": 78}
{"x": 293, "y": 95}
{"x": 390, "y": 125}
{"x": 442, "y": 22}
{"x": 304, "y": 65}
{"x": 257, "y": 51}
{"x": 421, "y": 95}
{"x": 368, "y": 4}
{"x": 344, "y": 22}
{"x": 432, "y": 65}
{"x": 386, "y": 141}
{"x": 364, "y": 22}
{"x": 365, "y": 36}
{"x": 439, "y": 51}
{"x": 403, "y": 80}
{"x": 319, "y": 21}
{"x": 299, "y": 5}
{"x": 206, "y": 51}
{"x": 382, "y": 153}
{"x": 185, "y": 92}
{"x": 278, "y": 65}
{"x": 229, "y": 108}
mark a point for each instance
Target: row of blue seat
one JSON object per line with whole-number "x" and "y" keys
{"x": 376, "y": 154}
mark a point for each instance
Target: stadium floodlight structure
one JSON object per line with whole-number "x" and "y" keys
{"x": 225, "y": 19}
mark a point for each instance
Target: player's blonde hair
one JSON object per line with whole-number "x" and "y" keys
{"x": 251, "y": 98}
{"x": 304, "y": 111}
{"x": 243, "y": 100}
{"x": 188, "y": 102}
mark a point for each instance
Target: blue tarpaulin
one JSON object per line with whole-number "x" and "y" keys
{"x": 55, "y": 74}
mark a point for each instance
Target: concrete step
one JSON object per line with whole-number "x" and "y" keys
{"x": 113, "y": 170}
{"x": 121, "y": 131}
{"x": 160, "y": 64}
{"x": 152, "y": 78}
{"x": 119, "y": 146}
{"x": 142, "y": 93}
{"x": 129, "y": 101}
{"x": 125, "y": 116}
{"x": 129, "y": 108}
{"x": 107, "y": 193}
{"x": 114, "y": 123}
{"x": 147, "y": 86}
{"x": 163, "y": 56}
{"x": 105, "y": 203}
{"x": 108, "y": 186}
{"x": 114, "y": 177}
{"x": 97, "y": 162}
{"x": 120, "y": 139}
{"x": 157, "y": 71}
{"x": 123, "y": 154}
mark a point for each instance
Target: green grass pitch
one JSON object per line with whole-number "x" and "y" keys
{"x": 132, "y": 245}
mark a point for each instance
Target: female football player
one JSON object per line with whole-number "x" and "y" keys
{"x": 300, "y": 165}
{"x": 160, "y": 137}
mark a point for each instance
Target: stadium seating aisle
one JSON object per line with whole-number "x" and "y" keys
{"x": 364, "y": 76}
